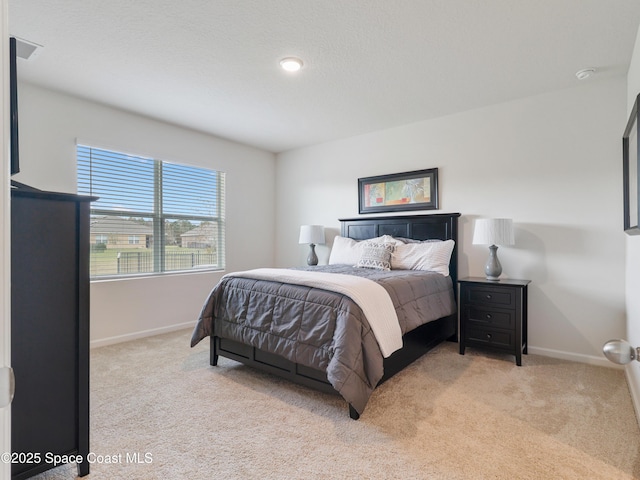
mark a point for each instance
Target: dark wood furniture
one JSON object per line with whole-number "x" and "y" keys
{"x": 49, "y": 328}
{"x": 415, "y": 343}
{"x": 493, "y": 314}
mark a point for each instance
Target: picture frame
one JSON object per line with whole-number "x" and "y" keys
{"x": 415, "y": 190}
{"x": 630, "y": 172}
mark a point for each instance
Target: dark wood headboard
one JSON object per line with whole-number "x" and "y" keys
{"x": 440, "y": 226}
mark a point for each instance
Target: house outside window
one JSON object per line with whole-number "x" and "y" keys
{"x": 151, "y": 216}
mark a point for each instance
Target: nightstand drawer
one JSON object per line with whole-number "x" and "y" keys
{"x": 488, "y": 336}
{"x": 499, "y": 297}
{"x": 489, "y": 317}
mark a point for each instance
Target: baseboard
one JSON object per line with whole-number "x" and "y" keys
{"x": 573, "y": 357}
{"x": 102, "y": 342}
{"x": 635, "y": 397}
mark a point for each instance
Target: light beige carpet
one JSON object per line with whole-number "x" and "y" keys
{"x": 447, "y": 416}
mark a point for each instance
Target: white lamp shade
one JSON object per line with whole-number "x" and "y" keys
{"x": 311, "y": 234}
{"x": 493, "y": 231}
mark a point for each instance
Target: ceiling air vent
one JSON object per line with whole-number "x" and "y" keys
{"x": 26, "y": 49}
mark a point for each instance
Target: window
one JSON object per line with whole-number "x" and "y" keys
{"x": 151, "y": 216}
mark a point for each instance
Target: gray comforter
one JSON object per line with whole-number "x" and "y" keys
{"x": 321, "y": 329}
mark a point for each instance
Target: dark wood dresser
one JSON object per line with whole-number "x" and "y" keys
{"x": 49, "y": 329}
{"x": 493, "y": 314}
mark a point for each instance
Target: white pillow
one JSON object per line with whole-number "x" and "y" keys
{"x": 345, "y": 251}
{"x": 432, "y": 256}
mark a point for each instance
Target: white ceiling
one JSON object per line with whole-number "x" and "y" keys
{"x": 212, "y": 65}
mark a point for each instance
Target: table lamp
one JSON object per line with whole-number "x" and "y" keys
{"x": 493, "y": 232}
{"x": 312, "y": 234}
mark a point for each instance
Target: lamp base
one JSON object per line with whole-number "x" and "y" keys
{"x": 492, "y": 268}
{"x": 312, "y": 259}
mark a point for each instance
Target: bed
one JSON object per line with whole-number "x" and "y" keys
{"x": 318, "y": 335}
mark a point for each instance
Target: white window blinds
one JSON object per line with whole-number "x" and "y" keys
{"x": 151, "y": 216}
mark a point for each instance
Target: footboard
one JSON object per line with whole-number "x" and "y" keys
{"x": 416, "y": 343}
{"x": 269, "y": 362}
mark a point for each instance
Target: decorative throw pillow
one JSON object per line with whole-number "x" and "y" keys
{"x": 376, "y": 255}
{"x": 433, "y": 256}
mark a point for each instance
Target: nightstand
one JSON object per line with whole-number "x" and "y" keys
{"x": 493, "y": 315}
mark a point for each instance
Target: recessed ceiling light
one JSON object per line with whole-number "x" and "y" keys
{"x": 291, "y": 64}
{"x": 585, "y": 73}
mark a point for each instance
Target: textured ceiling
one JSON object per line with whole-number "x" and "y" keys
{"x": 212, "y": 65}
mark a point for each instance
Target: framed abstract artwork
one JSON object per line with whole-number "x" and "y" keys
{"x": 630, "y": 154}
{"x": 417, "y": 190}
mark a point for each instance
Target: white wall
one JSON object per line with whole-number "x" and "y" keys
{"x": 51, "y": 122}
{"x": 550, "y": 162}
{"x": 5, "y": 239}
{"x": 633, "y": 251}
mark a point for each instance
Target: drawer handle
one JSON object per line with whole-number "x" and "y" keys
{"x": 488, "y": 316}
{"x": 488, "y": 336}
{"x": 488, "y": 297}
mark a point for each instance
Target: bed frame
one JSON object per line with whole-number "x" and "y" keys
{"x": 442, "y": 226}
